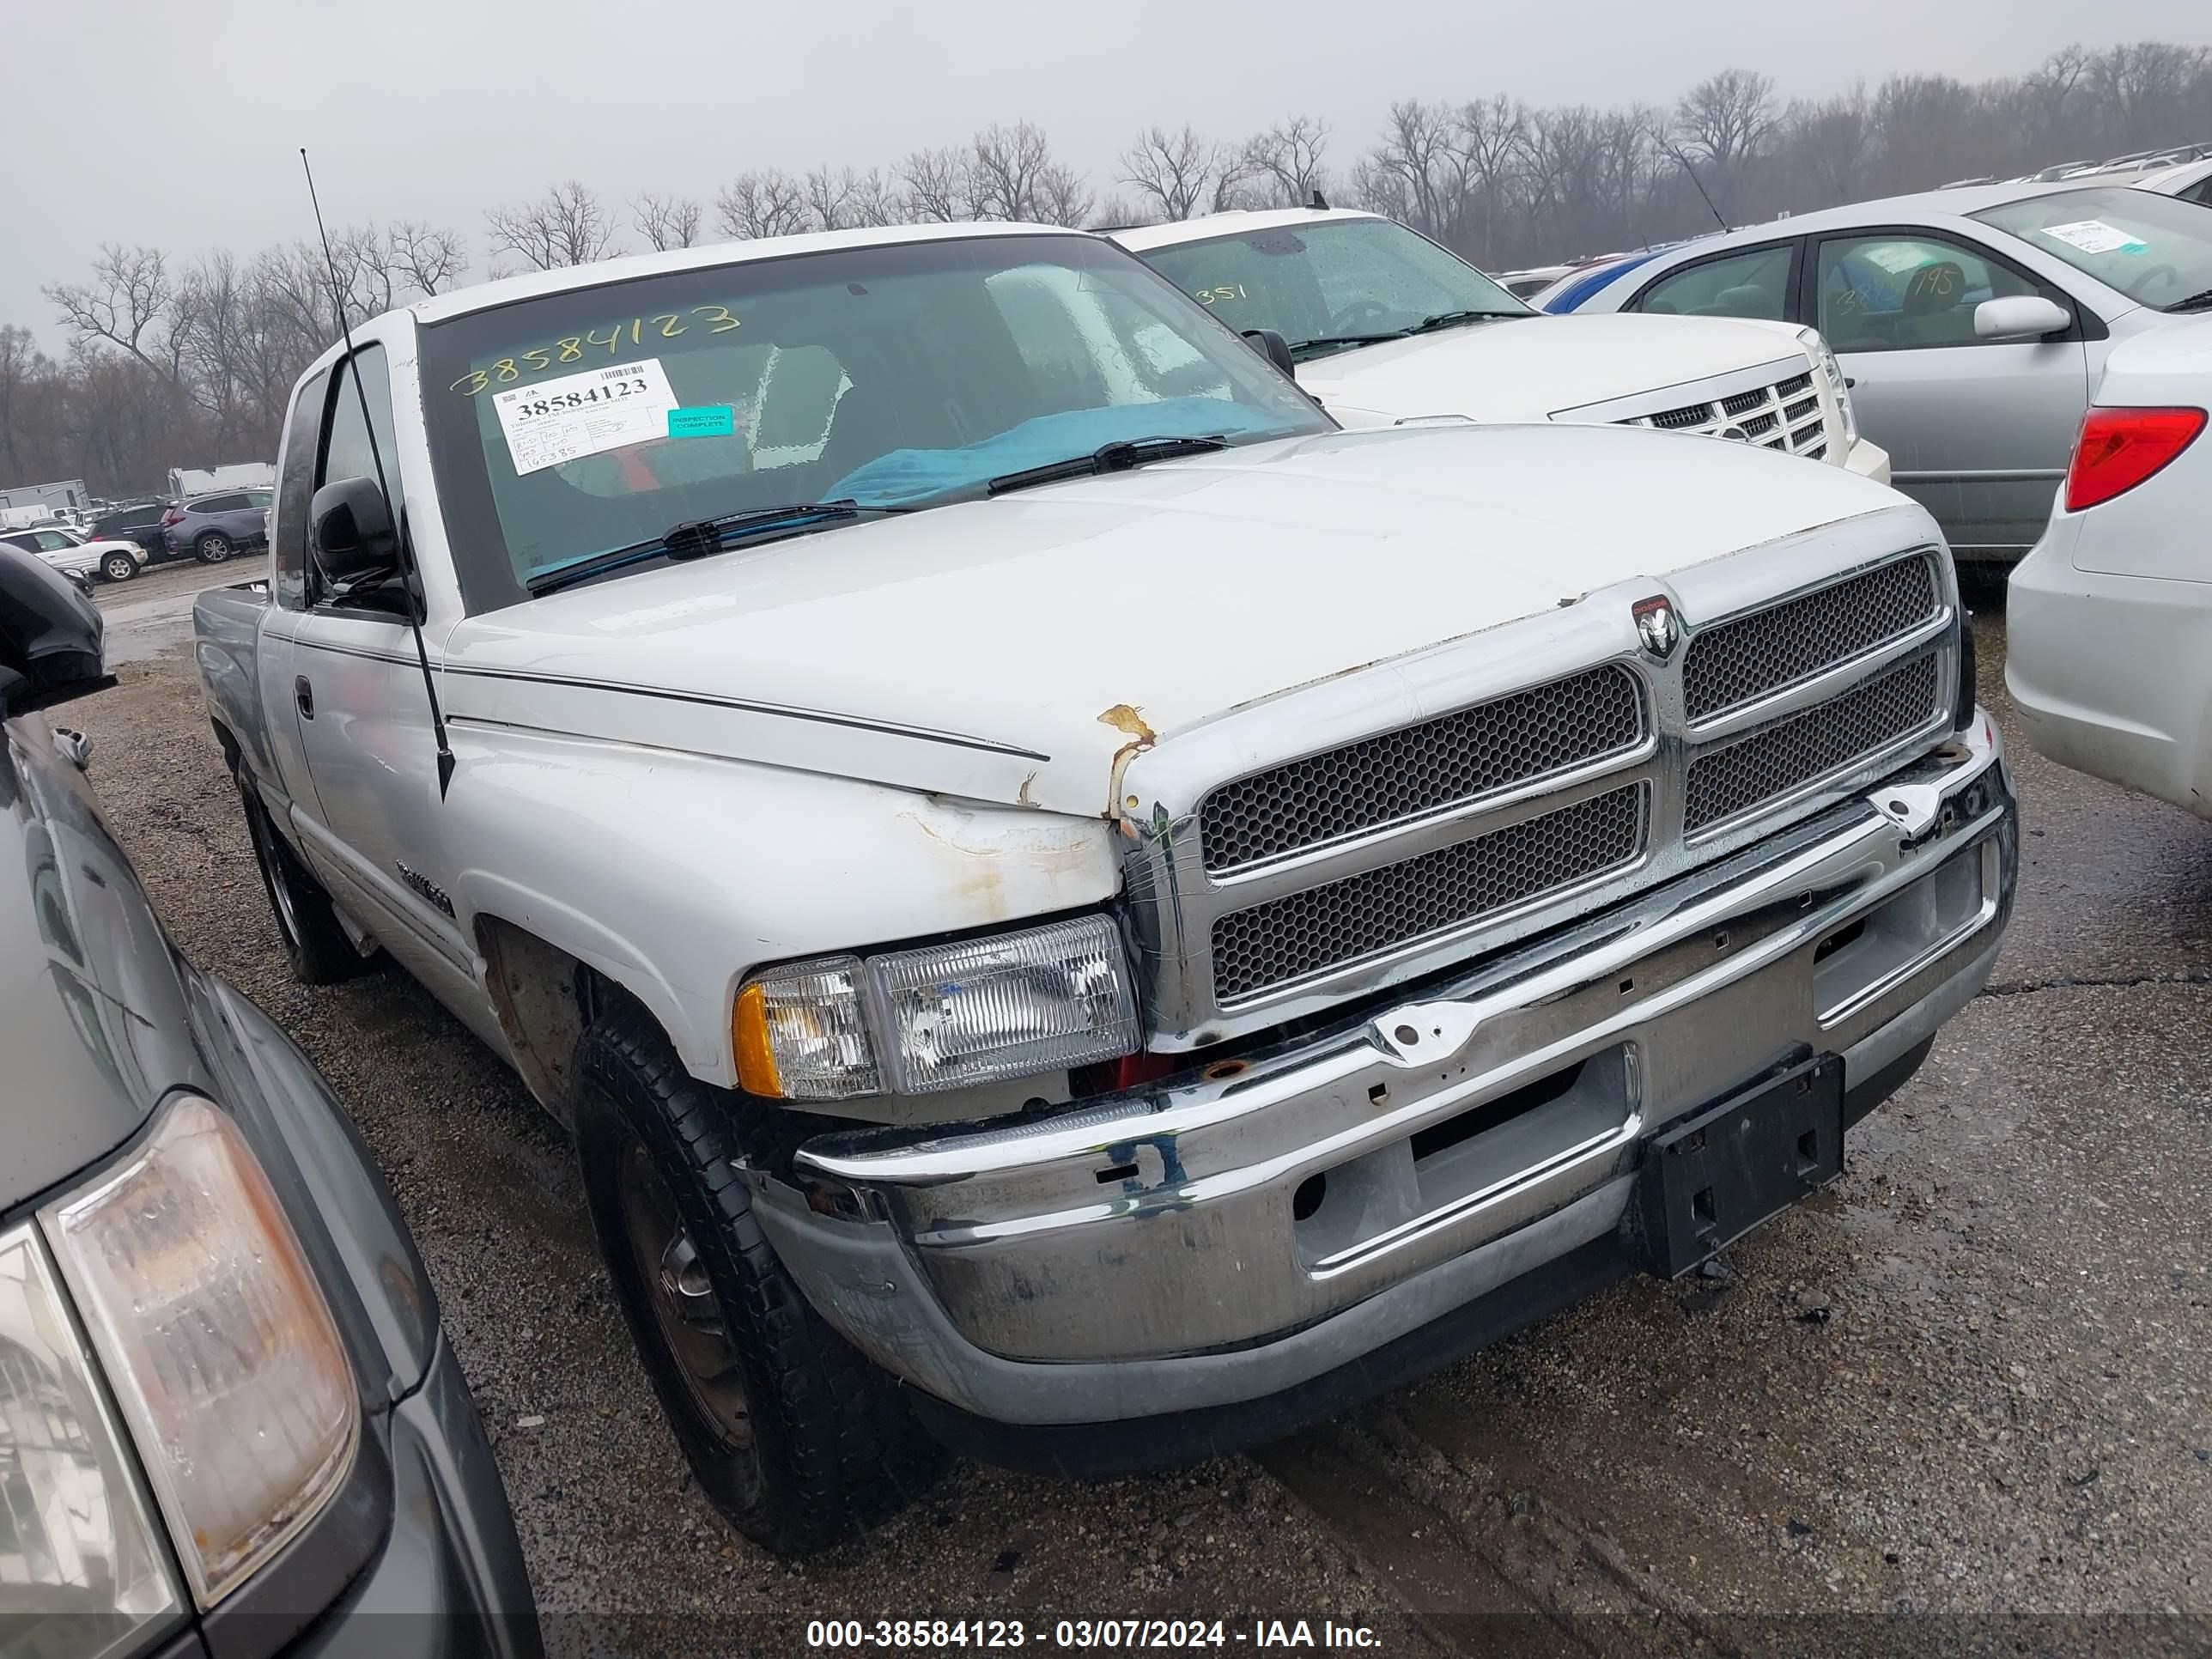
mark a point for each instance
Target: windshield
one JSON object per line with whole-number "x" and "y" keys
{"x": 2155, "y": 250}
{"x": 910, "y": 374}
{"x": 1332, "y": 284}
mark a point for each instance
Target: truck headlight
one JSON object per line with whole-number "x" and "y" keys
{"x": 943, "y": 1017}
{"x": 81, "y": 1573}
{"x": 216, "y": 1339}
{"x": 1816, "y": 347}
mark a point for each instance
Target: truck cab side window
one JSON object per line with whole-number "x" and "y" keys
{"x": 348, "y": 453}
{"x": 296, "y": 489}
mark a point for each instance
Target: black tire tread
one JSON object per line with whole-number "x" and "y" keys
{"x": 839, "y": 1450}
{"x": 323, "y": 954}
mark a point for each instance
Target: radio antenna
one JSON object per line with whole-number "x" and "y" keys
{"x": 1683, "y": 162}
{"x": 410, "y": 572}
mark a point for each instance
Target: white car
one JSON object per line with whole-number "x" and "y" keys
{"x": 69, "y": 552}
{"x": 2191, "y": 181}
{"x": 2109, "y": 655}
{"x": 1385, "y": 327}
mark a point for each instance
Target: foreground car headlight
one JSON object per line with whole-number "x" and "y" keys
{"x": 216, "y": 1339}
{"x": 81, "y": 1573}
{"x": 941, "y": 1018}
{"x": 1816, "y": 347}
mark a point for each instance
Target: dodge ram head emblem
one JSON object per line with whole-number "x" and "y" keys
{"x": 1656, "y": 626}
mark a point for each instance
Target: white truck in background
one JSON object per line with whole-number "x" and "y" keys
{"x": 185, "y": 481}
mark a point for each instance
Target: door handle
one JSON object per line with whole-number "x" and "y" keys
{"x": 304, "y": 695}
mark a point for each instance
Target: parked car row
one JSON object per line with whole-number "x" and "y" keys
{"x": 119, "y": 544}
{"x": 1973, "y": 325}
{"x": 1218, "y": 901}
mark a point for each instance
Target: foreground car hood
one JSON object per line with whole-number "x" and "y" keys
{"x": 1009, "y": 650}
{"x": 1531, "y": 368}
{"x": 92, "y": 1012}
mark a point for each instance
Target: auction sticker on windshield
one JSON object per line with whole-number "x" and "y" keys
{"x": 2095, "y": 236}
{"x": 586, "y": 414}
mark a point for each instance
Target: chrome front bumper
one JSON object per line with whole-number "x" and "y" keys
{"x": 1238, "y": 1232}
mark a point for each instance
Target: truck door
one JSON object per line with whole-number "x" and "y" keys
{"x": 373, "y": 827}
{"x": 277, "y": 761}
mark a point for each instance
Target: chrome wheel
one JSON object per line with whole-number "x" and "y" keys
{"x": 682, "y": 1298}
{"x": 120, "y": 568}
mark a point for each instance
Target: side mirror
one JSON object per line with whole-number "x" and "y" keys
{"x": 1273, "y": 347}
{"x": 353, "y": 534}
{"x": 2021, "y": 316}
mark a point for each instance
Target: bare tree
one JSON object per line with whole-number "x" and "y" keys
{"x": 939, "y": 185}
{"x": 1421, "y": 166}
{"x": 761, "y": 202}
{"x": 1008, "y": 171}
{"x": 426, "y": 260}
{"x": 1727, "y": 118}
{"x": 567, "y": 226}
{"x": 126, "y": 303}
{"x": 1176, "y": 172}
{"x": 666, "y": 222}
{"x": 1287, "y": 161}
{"x": 1061, "y": 197}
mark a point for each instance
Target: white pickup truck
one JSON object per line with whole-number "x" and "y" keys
{"x": 1384, "y": 327}
{"x": 1075, "y": 910}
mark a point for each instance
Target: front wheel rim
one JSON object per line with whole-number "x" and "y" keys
{"x": 120, "y": 569}
{"x": 689, "y": 1314}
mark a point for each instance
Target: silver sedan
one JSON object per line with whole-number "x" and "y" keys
{"x": 1973, "y": 325}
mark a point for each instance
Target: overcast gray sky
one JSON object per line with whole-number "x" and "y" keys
{"x": 177, "y": 122}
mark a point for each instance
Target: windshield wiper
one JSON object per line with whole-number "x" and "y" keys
{"x": 694, "y": 539}
{"x": 1117, "y": 457}
{"x": 2194, "y": 302}
{"x": 1326, "y": 341}
{"x": 1455, "y": 319}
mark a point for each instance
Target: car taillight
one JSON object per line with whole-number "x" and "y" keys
{"x": 175, "y": 515}
{"x": 2119, "y": 449}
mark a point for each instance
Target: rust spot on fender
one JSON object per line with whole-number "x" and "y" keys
{"x": 1122, "y": 718}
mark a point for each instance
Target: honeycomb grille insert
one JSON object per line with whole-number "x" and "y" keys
{"x": 1325, "y": 928}
{"x": 1738, "y": 662}
{"x": 1422, "y": 769}
{"x": 1823, "y": 739}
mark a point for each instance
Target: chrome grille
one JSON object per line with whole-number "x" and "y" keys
{"x": 1440, "y": 763}
{"x": 1735, "y": 777}
{"x": 1380, "y": 910}
{"x": 1738, "y": 662}
{"x": 1786, "y": 405}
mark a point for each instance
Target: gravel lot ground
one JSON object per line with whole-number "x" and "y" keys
{"x": 1967, "y": 1387}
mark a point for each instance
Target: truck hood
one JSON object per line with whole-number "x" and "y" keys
{"x": 1533, "y": 368}
{"x": 1010, "y": 650}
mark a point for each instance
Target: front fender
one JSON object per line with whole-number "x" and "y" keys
{"x": 676, "y": 874}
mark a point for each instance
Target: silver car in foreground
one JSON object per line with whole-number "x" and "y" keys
{"x": 1973, "y": 325}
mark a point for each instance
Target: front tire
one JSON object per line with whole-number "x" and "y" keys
{"x": 119, "y": 566}
{"x": 792, "y": 1435}
{"x": 316, "y": 945}
{"x": 214, "y": 548}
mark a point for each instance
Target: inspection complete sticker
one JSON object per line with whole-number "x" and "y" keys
{"x": 2095, "y": 236}
{"x": 586, "y": 414}
{"x": 704, "y": 420}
